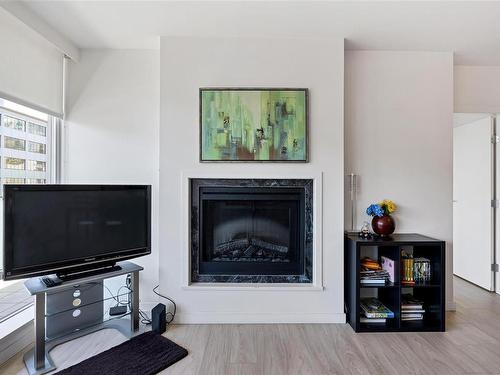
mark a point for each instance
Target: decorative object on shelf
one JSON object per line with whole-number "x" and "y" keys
{"x": 407, "y": 269}
{"x": 253, "y": 124}
{"x": 353, "y": 187}
{"x": 382, "y": 222}
{"x": 388, "y": 266}
{"x": 365, "y": 231}
{"x": 421, "y": 270}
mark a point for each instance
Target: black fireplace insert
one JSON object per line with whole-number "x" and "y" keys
{"x": 251, "y": 231}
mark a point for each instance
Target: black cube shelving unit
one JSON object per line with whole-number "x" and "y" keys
{"x": 431, "y": 293}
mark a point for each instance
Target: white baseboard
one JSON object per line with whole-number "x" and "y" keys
{"x": 257, "y": 318}
{"x": 451, "y": 306}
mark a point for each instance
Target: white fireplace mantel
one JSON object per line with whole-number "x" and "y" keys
{"x": 316, "y": 285}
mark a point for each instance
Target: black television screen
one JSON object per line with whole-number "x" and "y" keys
{"x": 56, "y": 228}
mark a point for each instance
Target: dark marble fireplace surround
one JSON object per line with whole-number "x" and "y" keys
{"x": 251, "y": 230}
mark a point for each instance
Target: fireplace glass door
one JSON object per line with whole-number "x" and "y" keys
{"x": 257, "y": 232}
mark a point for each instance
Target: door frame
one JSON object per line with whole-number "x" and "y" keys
{"x": 494, "y": 283}
{"x": 494, "y": 204}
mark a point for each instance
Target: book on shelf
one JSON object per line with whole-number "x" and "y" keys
{"x": 372, "y": 320}
{"x": 372, "y": 273}
{"x": 411, "y": 308}
{"x": 408, "y": 302}
{"x": 379, "y": 275}
{"x": 411, "y": 311}
{"x": 416, "y": 316}
{"x": 373, "y": 308}
{"x": 373, "y": 281}
{"x": 405, "y": 319}
{"x": 370, "y": 264}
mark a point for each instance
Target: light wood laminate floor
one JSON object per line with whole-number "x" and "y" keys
{"x": 471, "y": 345}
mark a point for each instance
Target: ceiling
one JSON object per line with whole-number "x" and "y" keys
{"x": 470, "y": 29}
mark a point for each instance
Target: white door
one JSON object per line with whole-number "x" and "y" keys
{"x": 472, "y": 195}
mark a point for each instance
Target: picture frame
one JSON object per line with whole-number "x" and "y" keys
{"x": 253, "y": 124}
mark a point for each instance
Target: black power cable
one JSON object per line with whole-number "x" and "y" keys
{"x": 145, "y": 319}
{"x": 155, "y": 291}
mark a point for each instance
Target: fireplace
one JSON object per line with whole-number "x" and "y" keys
{"x": 252, "y": 231}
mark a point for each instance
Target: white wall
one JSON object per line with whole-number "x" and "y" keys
{"x": 186, "y": 64}
{"x": 477, "y": 89}
{"x": 115, "y": 135}
{"x": 399, "y": 119}
{"x": 112, "y": 128}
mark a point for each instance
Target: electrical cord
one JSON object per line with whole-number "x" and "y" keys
{"x": 116, "y": 298}
{"x": 155, "y": 291}
{"x": 145, "y": 319}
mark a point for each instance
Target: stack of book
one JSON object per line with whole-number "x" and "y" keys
{"x": 372, "y": 273}
{"x": 374, "y": 311}
{"x": 411, "y": 308}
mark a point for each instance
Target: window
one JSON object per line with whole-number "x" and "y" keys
{"x": 11, "y": 180}
{"x": 36, "y": 165}
{"x": 15, "y": 143}
{"x": 36, "y": 147}
{"x": 35, "y": 181}
{"x": 37, "y": 129}
{"x": 13, "y": 123}
{"x": 27, "y": 148}
{"x": 14, "y": 163}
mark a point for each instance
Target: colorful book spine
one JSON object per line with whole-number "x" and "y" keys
{"x": 379, "y": 315}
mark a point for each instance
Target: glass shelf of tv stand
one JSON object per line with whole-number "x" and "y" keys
{"x": 106, "y": 319}
{"x": 113, "y": 299}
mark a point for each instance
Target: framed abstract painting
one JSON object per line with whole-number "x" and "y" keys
{"x": 253, "y": 125}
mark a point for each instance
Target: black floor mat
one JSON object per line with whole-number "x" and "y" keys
{"x": 145, "y": 354}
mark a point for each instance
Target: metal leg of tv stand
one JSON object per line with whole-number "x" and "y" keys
{"x": 37, "y": 359}
{"x": 134, "y": 319}
{"x": 39, "y": 330}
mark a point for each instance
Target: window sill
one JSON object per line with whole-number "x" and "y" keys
{"x": 16, "y": 321}
{"x": 13, "y": 299}
{"x": 16, "y": 333}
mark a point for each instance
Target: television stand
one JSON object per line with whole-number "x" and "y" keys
{"x": 38, "y": 360}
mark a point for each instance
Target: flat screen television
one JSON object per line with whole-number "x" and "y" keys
{"x": 64, "y": 229}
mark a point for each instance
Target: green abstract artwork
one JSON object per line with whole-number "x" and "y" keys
{"x": 253, "y": 125}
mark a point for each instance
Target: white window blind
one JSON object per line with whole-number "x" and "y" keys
{"x": 31, "y": 69}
